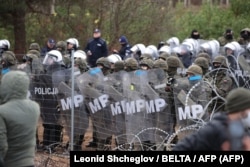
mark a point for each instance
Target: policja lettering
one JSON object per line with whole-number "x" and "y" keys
{"x": 46, "y": 91}
{"x": 136, "y": 160}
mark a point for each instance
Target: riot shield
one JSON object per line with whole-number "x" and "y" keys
{"x": 92, "y": 86}
{"x": 191, "y": 103}
{"x": 211, "y": 47}
{"x": 135, "y": 108}
{"x": 115, "y": 92}
{"x": 81, "y": 120}
{"x": 163, "y": 120}
{"x": 244, "y": 62}
{"x": 142, "y": 102}
{"x": 45, "y": 92}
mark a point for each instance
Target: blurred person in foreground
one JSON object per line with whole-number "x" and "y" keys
{"x": 18, "y": 121}
{"x": 215, "y": 136}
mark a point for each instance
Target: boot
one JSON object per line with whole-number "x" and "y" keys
{"x": 78, "y": 143}
{"x": 93, "y": 143}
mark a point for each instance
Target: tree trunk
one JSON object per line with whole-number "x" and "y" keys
{"x": 19, "y": 33}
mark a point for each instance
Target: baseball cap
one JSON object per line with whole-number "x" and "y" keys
{"x": 52, "y": 41}
{"x": 97, "y": 30}
{"x": 123, "y": 39}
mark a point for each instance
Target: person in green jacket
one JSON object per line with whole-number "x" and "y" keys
{"x": 18, "y": 121}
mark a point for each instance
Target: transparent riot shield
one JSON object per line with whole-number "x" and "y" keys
{"x": 243, "y": 74}
{"x": 211, "y": 47}
{"x": 114, "y": 89}
{"x": 81, "y": 120}
{"x": 92, "y": 86}
{"x": 142, "y": 102}
{"x": 135, "y": 110}
{"x": 44, "y": 91}
{"x": 163, "y": 119}
{"x": 192, "y": 102}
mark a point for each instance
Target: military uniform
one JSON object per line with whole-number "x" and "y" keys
{"x": 244, "y": 38}
{"x": 223, "y": 41}
{"x": 131, "y": 64}
{"x": 118, "y": 66}
{"x": 105, "y": 66}
{"x": 8, "y": 62}
{"x": 221, "y": 83}
{"x": 173, "y": 63}
{"x": 62, "y": 47}
{"x": 35, "y": 46}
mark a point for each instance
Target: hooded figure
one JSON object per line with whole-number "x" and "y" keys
{"x": 18, "y": 120}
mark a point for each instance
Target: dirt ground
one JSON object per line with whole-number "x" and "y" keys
{"x": 60, "y": 159}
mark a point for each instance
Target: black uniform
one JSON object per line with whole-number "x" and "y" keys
{"x": 98, "y": 48}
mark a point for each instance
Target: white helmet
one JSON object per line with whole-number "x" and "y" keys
{"x": 235, "y": 46}
{"x": 172, "y": 42}
{"x": 138, "y": 47}
{"x": 211, "y": 47}
{"x": 73, "y": 41}
{"x": 152, "y": 50}
{"x": 113, "y": 58}
{"x": 53, "y": 56}
{"x": 4, "y": 43}
{"x": 165, "y": 49}
{"x": 80, "y": 54}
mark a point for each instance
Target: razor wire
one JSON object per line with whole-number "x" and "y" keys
{"x": 166, "y": 140}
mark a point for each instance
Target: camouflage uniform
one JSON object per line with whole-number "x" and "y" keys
{"x": 164, "y": 56}
{"x": 244, "y": 38}
{"x": 173, "y": 63}
{"x": 82, "y": 65}
{"x": 62, "y": 47}
{"x": 203, "y": 93}
{"x": 104, "y": 64}
{"x": 35, "y": 46}
{"x": 205, "y": 55}
{"x": 118, "y": 66}
{"x": 162, "y": 64}
{"x": 35, "y": 52}
{"x": 147, "y": 62}
{"x": 164, "y": 117}
{"x": 131, "y": 64}
{"x": 203, "y": 63}
{"x": 8, "y": 62}
{"x": 221, "y": 83}
{"x": 226, "y": 38}
{"x": 146, "y": 56}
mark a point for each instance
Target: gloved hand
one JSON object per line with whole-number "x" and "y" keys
{"x": 170, "y": 81}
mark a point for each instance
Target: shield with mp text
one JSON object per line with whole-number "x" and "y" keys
{"x": 65, "y": 94}
{"x": 92, "y": 85}
{"x": 142, "y": 104}
{"x": 192, "y": 102}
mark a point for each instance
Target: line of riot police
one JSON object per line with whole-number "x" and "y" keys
{"x": 140, "y": 102}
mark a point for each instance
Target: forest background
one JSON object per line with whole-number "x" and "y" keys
{"x": 141, "y": 21}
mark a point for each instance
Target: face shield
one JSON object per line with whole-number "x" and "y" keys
{"x": 207, "y": 50}
{"x": 184, "y": 50}
{"x": 49, "y": 59}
